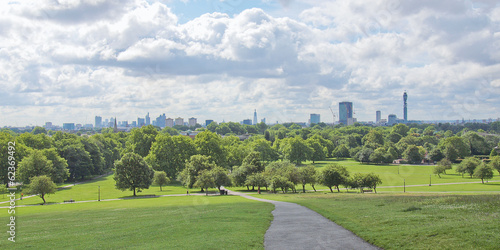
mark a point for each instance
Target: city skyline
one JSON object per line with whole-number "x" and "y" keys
{"x": 66, "y": 62}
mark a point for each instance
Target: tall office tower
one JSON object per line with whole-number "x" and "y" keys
{"x": 140, "y": 122}
{"x": 314, "y": 119}
{"x": 148, "y": 120}
{"x": 379, "y": 116}
{"x": 391, "y": 119}
{"x": 345, "y": 112}
{"x": 405, "y": 97}
{"x": 161, "y": 121}
{"x": 207, "y": 122}
{"x": 192, "y": 122}
{"x": 98, "y": 122}
{"x": 255, "y": 117}
{"x": 170, "y": 122}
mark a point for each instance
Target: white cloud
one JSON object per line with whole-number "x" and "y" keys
{"x": 127, "y": 58}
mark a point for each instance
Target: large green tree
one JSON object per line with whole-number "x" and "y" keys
{"x": 308, "y": 175}
{"x": 35, "y": 164}
{"x": 483, "y": 171}
{"x": 195, "y": 165}
{"x": 161, "y": 179}
{"x": 141, "y": 139}
{"x": 210, "y": 144}
{"x": 170, "y": 153}
{"x": 41, "y": 186}
{"x": 296, "y": 150}
{"x": 468, "y": 166}
{"x": 133, "y": 173}
{"x": 334, "y": 175}
{"x": 319, "y": 152}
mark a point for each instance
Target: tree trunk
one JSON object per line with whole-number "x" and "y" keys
{"x": 375, "y": 189}
{"x": 304, "y": 188}
{"x": 482, "y": 180}
{"x": 43, "y": 197}
{"x": 202, "y": 190}
{"x": 253, "y": 188}
{"x": 314, "y": 188}
{"x": 248, "y": 188}
{"x": 160, "y": 188}
{"x": 331, "y": 189}
{"x": 134, "y": 191}
{"x": 338, "y": 190}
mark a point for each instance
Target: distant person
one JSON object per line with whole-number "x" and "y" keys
{"x": 22, "y": 196}
{"x": 187, "y": 191}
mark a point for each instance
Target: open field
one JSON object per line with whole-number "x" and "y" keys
{"x": 410, "y": 221}
{"x": 90, "y": 189}
{"x": 193, "y": 222}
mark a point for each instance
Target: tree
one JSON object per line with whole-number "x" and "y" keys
{"x": 341, "y": 152}
{"x": 132, "y": 172}
{"x": 170, "y": 153}
{"x": 170, "y": 131}
{"x": 308, "y": 175}
{"x": 281, "y": 182}
{"x": 483, "y": 172}
{"x": 412, "y": 154}
{"x": 372, "y": 180}
{"x": 210, "y": 144}
{"x": 60, "y": 171}
{"x": 446, "y": 164}
{"x": 319, "y": 152}
{"x": 256, "y": 179}
{"x": 296, "y": 150}
{"x": 378, "y": 156}
{"x": 264, "y": 147}
{"x": 373, "y": 137}
{"x": 468, "y": 166}
{"x": 477, "y": 143}
{"x": 79, "y": 161}
{"x": 205, "y": 180}
{"x": 35, "y": 141}
{"x": 97, "y": 165}
{"x": 334, "y": 175}
{"x": 161, "y": 179}
{"x": 35, "y": 164}
{"x": 220, "y": 176}
{"x": 195, "y": 165}
{"x": 364, "y": 155}
{"x": 439, "y": 169}
{"x": 436, "y": 154}
{"x": 459, "y": 143}
{"x": 450, "y": 153}
{"x": 141, "y": 139}
{"x": 41, "y": 186}
{"x": 495, "y": 163}
{"x": 251, "y": 165}
{"x": 401, "y": 129}
{"x": 39, "y": 130}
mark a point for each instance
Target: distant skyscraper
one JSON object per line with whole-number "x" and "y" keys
{"x": 140, "y": 122}
{"x": 345, "y": 112}
{"x": 148, "y": 120}
{"x": 161, "y": 121}
{"x": 315, "y": 119}
{"x": 207, "y": 122}
{"x": 255, "y": 117}
{"x": 379, "y": 116}
{"x": 48, "y": 125}
{"x": 68, "y": 126}
{"x": 263, "y": 120}
{"x": 247, "y": 122}
{"x": 192, "y": 122}
{"x": 392, "y": 119}
{"x": 405, "y": 97}
{"x": 98, "y": 122}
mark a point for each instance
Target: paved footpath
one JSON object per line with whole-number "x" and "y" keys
{"x": 297, "y": 227}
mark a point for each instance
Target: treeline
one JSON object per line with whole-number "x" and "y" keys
{"x": 68, "y": 157}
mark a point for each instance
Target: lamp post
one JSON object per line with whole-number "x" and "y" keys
{"x": 99, "y": 192}
{"x": 430, "y": 176}
{"x": 404, "y": 185}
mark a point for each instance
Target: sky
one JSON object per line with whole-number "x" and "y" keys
{"x": 68, "y": 61}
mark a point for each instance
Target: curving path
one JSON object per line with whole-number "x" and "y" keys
{"x": 297, "y": 227}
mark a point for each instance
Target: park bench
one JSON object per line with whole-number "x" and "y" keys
{"x": 366, "y": 191}
{"x": 66, "y": 201}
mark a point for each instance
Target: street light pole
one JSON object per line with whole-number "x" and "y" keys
{"x": 430, "y": 176}
{"x": 99, "y": 191}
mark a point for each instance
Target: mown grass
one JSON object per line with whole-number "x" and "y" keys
{"x": 410, "y": 221}
{"x": 90, "y": 191}
{"x": 191, "y": 222}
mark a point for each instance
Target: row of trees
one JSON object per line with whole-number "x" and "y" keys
{"x": 471, "y": 166}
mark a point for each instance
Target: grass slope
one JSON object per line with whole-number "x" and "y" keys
{"x": 410, "y": 221}
{"x": 194, "y": 222}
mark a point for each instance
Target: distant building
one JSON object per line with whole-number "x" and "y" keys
{"x": 68, "y": 126}
{"x": 140, "y": 122}
{"x": 179, "y": 121}
{"x": 148, "y": 120}
{"x": 247, "y": 122}
{"x": 170, "y": 122}
{"x": 192, "y": 122}
{"x": 351, "y": 121}
{"x": 345, "y": 112}
{"x": 263, "y": 120}
{"x": 255, "y": 117}
{"x": 207, "y": 122}
{"x": 378, "y": 116}
{"x": 134, "y": 124}
{"x": 405, "y": 107}
{"x": 391, "y": 119}
{"x": 161, "y": 121}
{"x": 89, "y": 126}
{"x": 48, "y": 125}
{"x": 98, "y": 121}
{"x": 315, "y": 119}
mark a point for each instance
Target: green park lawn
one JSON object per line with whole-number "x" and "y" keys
{"x": 90, "y": 191}
{"x": 187, "y": 222}
{"x": 410, "y": 221}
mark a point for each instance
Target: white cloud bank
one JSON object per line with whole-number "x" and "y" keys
{"x": 70, "y": 61}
